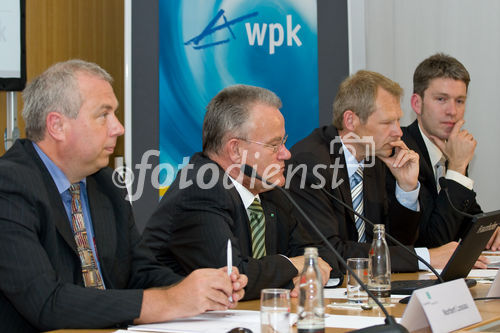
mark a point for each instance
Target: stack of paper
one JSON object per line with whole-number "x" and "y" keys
{"x": 214, "y": 321}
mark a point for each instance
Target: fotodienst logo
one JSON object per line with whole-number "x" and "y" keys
{"x": 208, "y": 175}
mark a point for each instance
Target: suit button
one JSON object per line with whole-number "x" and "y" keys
{"x": 466, "y": 203}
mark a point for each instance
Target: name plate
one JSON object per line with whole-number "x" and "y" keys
{"x": 495, "y": 287}
{"x": 444, "y": 307}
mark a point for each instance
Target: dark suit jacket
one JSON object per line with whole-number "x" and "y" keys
{"x": 41, "y": 285}
{"x": 336, "y": 222}
{"x": 191, "y": 226}
{"x": 439, "y": 223}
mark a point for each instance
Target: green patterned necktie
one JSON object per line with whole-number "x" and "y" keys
{"x": 258, "y": 227}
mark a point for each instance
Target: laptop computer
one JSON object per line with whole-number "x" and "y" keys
{"x": 464, "y": 257}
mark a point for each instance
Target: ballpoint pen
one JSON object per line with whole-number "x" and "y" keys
{"x": 229, "y": 262}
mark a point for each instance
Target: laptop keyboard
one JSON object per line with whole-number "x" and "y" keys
{"x": 406, "y": 287}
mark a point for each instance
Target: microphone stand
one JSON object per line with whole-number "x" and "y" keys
{"x": 444, "y": 187}
{"x": 390, "y": 323}
{"x": 394, "y": 240}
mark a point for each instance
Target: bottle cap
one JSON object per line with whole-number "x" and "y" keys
{"x": 311, "y": 251}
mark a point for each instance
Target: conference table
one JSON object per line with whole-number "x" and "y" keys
{"x": 489, "y": 309}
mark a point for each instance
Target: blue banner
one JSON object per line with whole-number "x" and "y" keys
{"x": 206, "y": 45}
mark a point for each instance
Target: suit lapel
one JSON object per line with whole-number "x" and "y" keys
{"x": 245, "y": 233}
{"x": 61, "y": 219}
{"x": 426, "y": 173}
{"x": 62, "y": 222}
{"x": 344, "y": 189}
{"x": 370, "y": 190}
{"x": 102, "y": 213}
{"x": 271, "y": 231}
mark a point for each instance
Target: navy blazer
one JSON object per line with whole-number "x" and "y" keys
{"x": 41, "y": 286}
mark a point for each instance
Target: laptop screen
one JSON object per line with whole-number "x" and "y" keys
{"x": 471, "y": 246}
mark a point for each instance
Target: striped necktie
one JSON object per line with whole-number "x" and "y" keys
{"x": 356, "y": 183}
{"x": 258, "y": 228}
{"x": 91, "y": 275}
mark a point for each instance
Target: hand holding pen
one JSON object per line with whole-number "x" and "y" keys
{"x": 238, "y": 280}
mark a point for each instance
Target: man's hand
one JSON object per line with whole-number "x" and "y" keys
{"x": 324, "y": 269}
{"x": 403, "y": 165}
{"x": 202, "y": 290}
{"x": 494, "y": 242}
{"x": 441, "y": 255}
{"x": 481, "y": 263}
{"x": 298, "y": 263}
{"x": 239, "y": 282}
{"x": 458, "y": 149}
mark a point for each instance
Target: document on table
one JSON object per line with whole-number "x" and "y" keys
{"x": 214, "y": 321}
{"x": 343, "y": 321}
{"x": 340, "y": 293}
{"x": 494, "y": 262}
{"x": 475, "y": 273}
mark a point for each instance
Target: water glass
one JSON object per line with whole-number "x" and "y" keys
{"x": 275, "y": 310}
{"x": 356, "y": 293}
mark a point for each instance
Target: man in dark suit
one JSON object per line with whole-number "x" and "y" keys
{"x": 440, "y": 85}
{"x": 71, "y": 256}
{"x": 365, "y": 138}
{"x": 211, "y": 201}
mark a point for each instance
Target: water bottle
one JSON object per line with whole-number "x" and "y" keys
{"x": 311, "y": 311}
{"x": 379, "y": 266}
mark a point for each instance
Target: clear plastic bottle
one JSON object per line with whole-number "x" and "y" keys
{"x": 379, "y": 266}
{"x": 311, "y": 310}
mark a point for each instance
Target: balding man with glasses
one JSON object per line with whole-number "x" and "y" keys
{"x": 211, "y": 201}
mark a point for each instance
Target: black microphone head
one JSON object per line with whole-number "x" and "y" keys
{"x": 250, "y": 172}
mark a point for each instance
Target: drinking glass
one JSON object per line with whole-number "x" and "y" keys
{"x": 275, "y": 310}
{"x": 355, "y": 292}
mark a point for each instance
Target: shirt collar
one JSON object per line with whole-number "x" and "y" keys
{"x": 351, "y": 161}
{"x": 435, "y": 153}
{"x": 58, "y": 176}
{"x": 246, "y": 196}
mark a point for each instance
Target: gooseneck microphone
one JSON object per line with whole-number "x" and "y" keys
{"x": 444, "y": 187}
{"x": 390, "y": 323}
{"x": 311, "y": 180}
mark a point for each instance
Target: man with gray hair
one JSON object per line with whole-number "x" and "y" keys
{"x": 211, "y": 201}
{"x": 70, "y": 254}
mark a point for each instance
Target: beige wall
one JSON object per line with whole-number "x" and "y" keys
{"x": 58, "y": 30}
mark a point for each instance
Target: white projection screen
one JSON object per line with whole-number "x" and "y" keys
{"x": 12, "y": 45}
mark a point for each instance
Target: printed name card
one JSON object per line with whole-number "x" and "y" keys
{"x": 495, "y": 287}
{"x": 444, "y": 307}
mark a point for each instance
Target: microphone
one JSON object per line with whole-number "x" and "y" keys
{"x": 390, "y": 323}
{"x": 311, "y": 179}
{"x": 444, "y": 187}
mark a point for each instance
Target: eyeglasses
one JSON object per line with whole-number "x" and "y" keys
{"x": 275, "y": 148}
